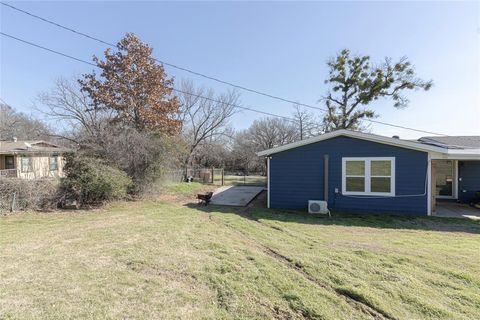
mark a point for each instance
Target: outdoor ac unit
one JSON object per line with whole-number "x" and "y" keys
{"x": 318, "y": 206}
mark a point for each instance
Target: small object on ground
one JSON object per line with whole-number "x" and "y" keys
{"x": 71, "y": 204}
{"x": 205, "y": 198}
{"x": 189, "y": 179}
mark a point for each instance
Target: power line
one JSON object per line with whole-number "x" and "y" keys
{"x": 210, "y": 77}
{"x": 47, "y": 49}
{"x": 158, "y": 60}
{"x": 174, "y": 89}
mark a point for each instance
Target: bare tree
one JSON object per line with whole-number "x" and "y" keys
{"x": 262, "y": 134}
{"x": 244, "y": 155}
{"x": 306, "y": 123}
{"x": 67, "y": 104}
{"x": 271, "y": 132}
{"x": 19, "y": 125}
{"x": 204, "y": 115}
{"x": 214, "y": 153}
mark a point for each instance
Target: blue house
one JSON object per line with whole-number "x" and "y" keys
{"x": 365, "y": 173}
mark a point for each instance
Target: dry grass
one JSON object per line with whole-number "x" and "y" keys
{"x": 164, "y": 260}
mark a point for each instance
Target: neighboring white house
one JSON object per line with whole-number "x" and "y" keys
{"x": 31, "y": 159}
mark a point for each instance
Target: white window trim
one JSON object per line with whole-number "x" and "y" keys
{"x": 368, "y": 176}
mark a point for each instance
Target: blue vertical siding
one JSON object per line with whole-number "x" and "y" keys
{"x": 469, "y": 179}
{"x": 296, "y": 176}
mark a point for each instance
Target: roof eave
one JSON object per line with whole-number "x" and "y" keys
{"x": 358, "y": 135}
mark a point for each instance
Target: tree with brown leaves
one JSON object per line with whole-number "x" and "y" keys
{"x": 135, "y": 87}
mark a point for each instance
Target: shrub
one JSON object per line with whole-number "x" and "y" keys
{"x": 90, "y": 181}
{"x": 40, "y": 194}
{"x": 141, "y": 154}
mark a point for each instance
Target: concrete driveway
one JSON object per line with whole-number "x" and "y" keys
{"x": 238, "y": 196}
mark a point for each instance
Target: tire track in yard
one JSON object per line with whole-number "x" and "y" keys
{"x": 363, "y": 306}
{"x": 358, "y": 304}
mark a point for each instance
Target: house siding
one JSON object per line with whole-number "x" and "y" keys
{"x": 40, "y": 167}
{"x": 296, "y": 176}
{"x": 469, "y": 179}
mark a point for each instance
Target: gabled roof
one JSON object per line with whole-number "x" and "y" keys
{"x": 453, "y": 142}
{"x": 29, "y": 146}
{"x": 408, "y": 144}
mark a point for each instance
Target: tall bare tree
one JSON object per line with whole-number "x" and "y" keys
{"x": 204, "y": 115}
{"x": 262, "y": 134}
{"x": 355, "y": 83}
{"x": 67, "y": 104}
{"x": 271, "y": 132}
{"x": 306, "y": 123}
{"x": 243, "y": 154}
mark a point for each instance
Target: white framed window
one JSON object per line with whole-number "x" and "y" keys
{"x": 368, "y": 176}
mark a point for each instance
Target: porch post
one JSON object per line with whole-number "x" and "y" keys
{"x": 429, "y": 185}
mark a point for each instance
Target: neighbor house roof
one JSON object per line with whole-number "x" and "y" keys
{"x": 453, "y": 142}
{"x": 464, "y": 152}
{"x": 30, "y": 146}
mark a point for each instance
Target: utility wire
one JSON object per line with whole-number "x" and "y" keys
{"x": 174, "y": 89}
{"x": 210, "y": 77}
{"x": 158, "y": 60}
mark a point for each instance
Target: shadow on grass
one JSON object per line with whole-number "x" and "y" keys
{"x": 257, "y": 211}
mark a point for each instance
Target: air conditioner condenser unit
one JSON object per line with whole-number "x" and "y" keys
{"x": 318, "y": 207}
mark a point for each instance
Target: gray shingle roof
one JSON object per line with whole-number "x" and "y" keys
{"x": 29, "y": 146}
{"x": 453, "y": 142}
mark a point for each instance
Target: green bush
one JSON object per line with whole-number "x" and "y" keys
{"x": 90, "y": 181}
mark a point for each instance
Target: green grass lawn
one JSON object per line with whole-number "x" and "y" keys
{"x": 162, "y": 260}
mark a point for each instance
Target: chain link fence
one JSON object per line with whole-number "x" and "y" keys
{"x": 216, "y": 176}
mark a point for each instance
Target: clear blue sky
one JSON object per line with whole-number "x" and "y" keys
{"x": 277, "y": 47}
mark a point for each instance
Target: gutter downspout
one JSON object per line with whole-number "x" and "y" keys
{"x": 325, "y": 178}
{"x": 268, "y": 182}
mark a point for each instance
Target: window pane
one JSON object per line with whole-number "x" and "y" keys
{"x": 355, "y": 168}
{"x": 26, "y": 164}
{"x": 9, "y": 162}
{"x": 380, "y": 168}
{"x": 53, "y": 163}
{"x": 380, "y": 185}
{"x": 355, "y": 184}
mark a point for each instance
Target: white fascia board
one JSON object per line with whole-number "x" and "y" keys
{"x": 358, "y": 135}
{"x": 455, "y": 156}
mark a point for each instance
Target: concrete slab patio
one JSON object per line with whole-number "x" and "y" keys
{"x": 238, "y": 196}
{"x": 457, "y": 210}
